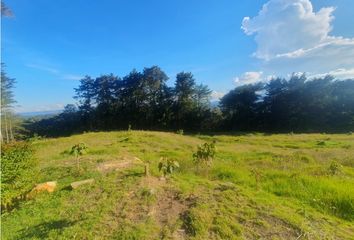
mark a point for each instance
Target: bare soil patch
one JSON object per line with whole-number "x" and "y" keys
{"x": 270, "y": 227}
{"x": 118, "y": 164}
{"x": 156, "y": 199}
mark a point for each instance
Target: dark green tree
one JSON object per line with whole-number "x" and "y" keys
{"x": 184, "y": 99}
{"x": 240, "y": 106}
{"x": 85, "y": 94}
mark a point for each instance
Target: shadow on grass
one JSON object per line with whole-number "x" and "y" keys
{"x": 41, "y": 231}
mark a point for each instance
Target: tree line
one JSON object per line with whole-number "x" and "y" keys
{"x": 297, "y": 104}
{"x": 143, "y": 100}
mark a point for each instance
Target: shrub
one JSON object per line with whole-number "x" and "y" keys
{"x": 167, "y": 166}
{"x": 78, "y": 150}
{"x": 205, "y": 154}
{"x": 19, "y": 172}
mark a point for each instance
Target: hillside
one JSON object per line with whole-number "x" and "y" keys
{"x": 283, "y": 186}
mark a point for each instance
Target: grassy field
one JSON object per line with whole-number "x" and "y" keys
{"x": 282, "y": 186}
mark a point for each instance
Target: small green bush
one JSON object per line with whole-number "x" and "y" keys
{"x": 19, "y": 172}
{"x": 78, "y": 150}
{"x": 205, "y": 154}
{"x": 167, "y": 166}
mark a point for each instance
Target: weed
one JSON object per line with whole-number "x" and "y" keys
{"x": 205, "y": 154}
{"x": 167, "y": 166}
{"x": 78, "y": 150}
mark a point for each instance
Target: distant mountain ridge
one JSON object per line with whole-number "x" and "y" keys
{"x": 40, "y": 113}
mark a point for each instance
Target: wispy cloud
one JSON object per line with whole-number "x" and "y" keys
{"x": 54, "y": 71}
{"x": 340, "y": 73}
{"x": 43, "y": 68}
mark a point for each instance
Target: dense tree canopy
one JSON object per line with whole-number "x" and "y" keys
{"x": 298, "y": 104}
{"x": 143, "y": 100}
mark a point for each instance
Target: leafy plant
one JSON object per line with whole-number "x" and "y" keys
{"x": 167, "y": 166}
{"x": 205, "y": 154}
{"x": 78, "y": 150}
{"x": 19, "y": 172}
{"x": 335, "y": 168}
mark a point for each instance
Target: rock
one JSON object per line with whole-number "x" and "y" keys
{"x": 45, "y": 187}
{"x": 75, "y": 185}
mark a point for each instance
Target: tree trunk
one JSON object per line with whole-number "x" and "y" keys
{"x": 6, "y": 130}
{"x": 11, "y": 132}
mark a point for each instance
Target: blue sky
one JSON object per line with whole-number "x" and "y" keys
{"x": 47, "y": 46}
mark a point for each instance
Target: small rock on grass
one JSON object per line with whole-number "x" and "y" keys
{"x": 47, "y": 186}
{"x": 42, "y": 187}
{"x": 77, "y": 184}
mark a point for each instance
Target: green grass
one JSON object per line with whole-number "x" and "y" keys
{"x": 294, "y": 196}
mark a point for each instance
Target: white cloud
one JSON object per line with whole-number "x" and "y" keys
{"x": 340, "y": 73}
{"x": 54, "y": 71}
{"x": 248, "y": 78}
{"x": 216, "y": 96}
{"x": 252, "y": 77}
{"x": 292, "y": 37}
